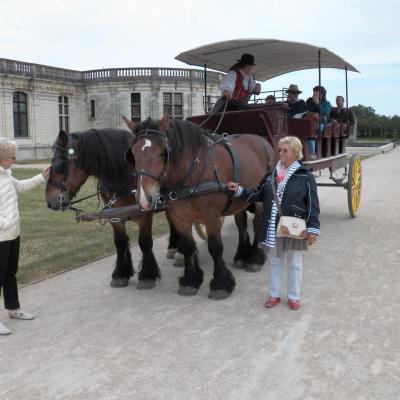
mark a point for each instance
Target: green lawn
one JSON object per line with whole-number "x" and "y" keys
{"x": 45, "y": 161}
{"x": 51, "y": 241}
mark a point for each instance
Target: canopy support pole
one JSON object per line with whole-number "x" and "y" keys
{"x": 319, "y": 92}
{"x": 205, "y": 89}
{"x": 347, "y": 89}
{"x": 319, "y": 72}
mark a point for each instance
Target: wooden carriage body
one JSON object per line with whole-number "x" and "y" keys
{"x": 271, "y": 122}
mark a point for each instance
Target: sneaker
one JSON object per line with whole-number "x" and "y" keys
{"x": 294, "y": 304}
{"x": 272, "y": 302}
{"x": 20, "y": 314}
{"x": 4, "y": 330}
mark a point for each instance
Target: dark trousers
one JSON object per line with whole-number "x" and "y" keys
{"x": 9, "y": 255}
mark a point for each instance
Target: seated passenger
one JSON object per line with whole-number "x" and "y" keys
{"x": 320, "y": 109}
{"x": 340, "y": 113}
{"x": 296, "y": 106}
{"x": 270, "y": 99}
{"x": 238, "y": 84}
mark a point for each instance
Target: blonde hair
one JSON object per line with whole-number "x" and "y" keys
{"x": 7, "y": 149}
{"x": 294, "y": 144}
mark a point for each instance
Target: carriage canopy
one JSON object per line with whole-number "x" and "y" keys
{"x": 273, "y": 57}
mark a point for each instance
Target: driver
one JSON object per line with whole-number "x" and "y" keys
{"x": 238, "y": 84}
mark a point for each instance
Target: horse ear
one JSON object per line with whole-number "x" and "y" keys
{"x": 63, "y": 137}
{"x": 129, "y": 123}
{"x": 129, "y": 156}
{"x": 164, "y": 123}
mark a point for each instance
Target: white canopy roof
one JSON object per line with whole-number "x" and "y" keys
{"x": 272, "y": 57}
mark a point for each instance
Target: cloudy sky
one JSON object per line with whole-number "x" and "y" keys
{"x": 92, "y": 34}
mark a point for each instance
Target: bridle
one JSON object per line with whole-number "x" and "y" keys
{"x": 165, "y": 196}
{"x": 61, "y": 166}
{"x": 149, "y": 133}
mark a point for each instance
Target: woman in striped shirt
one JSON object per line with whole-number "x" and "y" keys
{"x": 297, "y": 194}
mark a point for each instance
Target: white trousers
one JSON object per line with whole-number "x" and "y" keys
{"x": 294, "y": 260}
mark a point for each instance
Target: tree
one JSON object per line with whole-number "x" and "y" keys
{"x": 370, "y": 124}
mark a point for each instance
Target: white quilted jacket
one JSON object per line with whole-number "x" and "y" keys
{"x": 9, "y": 214}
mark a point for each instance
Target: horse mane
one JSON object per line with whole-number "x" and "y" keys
{"x": 182, "y": 136}
{"x": 101, "y": 153}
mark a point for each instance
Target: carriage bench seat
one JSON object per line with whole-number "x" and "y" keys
{"x": 302, "y": 128}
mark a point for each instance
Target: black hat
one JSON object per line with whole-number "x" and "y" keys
{"x": 247, "y": 59}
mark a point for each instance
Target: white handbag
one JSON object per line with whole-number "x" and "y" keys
{"x": 291, "y": 227}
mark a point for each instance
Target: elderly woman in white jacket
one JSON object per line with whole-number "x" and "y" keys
{"x": 9, "y": 229}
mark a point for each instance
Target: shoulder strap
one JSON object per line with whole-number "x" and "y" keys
{"x": 237, "y": 162}
{"x": 278, "y": 205}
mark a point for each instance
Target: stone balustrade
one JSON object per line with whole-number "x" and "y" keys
{"x": 21, "y": 68}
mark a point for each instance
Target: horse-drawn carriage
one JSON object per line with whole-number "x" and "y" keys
{"x": 178, "y": 167}
{"x": 274, "y": 58}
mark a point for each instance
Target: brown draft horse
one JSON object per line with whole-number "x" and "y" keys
{"x": 172, "y": 159}
{"x": 100, "y": 153}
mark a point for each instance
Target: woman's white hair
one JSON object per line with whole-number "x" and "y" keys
{"x": 294, "y": 144}
{"x": 7, "y": 149}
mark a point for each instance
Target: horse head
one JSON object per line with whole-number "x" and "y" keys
{"x": 67, "y": 175}
{"x": 149, "y": 156}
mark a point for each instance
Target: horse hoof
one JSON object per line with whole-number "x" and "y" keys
{"x": 218, "y": 294}
{"x": 253, "y": 267}
{"x": 179, "y": 260}
{"x": 171, "y": 254}
{"x": 239, "y": 264}
{"x": 145, "y": 285}
{"x": 119, "y": 282}
{"x": 187, "y": 291}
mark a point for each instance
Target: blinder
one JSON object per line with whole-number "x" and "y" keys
{"x": 60, "y": 166}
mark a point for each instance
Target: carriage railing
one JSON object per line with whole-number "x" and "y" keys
{"x": 279, "y": 95}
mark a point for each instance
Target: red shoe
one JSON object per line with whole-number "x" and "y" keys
{"x": 294, "y": 304}
{"x": 272, "y": 302}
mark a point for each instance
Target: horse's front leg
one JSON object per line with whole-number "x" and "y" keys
{"x": 123, "y": 267}
{"x": 193, "y": 275}
{"x": 223, "y": 282}
{"x": 149, "y": 271}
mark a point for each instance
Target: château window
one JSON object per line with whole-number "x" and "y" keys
{"x": 173, "y": 105}
{"x": 136, "y": 110}
{"x": 20, "y": 110}
{"x": 63, "y": 113}
{"x": 92, "y": 109}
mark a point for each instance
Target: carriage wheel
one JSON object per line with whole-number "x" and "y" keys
{"x": 202, "y": 231}
{"x": 354, "y": 185}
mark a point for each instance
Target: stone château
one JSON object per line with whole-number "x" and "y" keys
{"x": 37, "y": 101}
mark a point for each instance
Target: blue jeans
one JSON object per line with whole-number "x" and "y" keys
{"x": 313, "y": 143}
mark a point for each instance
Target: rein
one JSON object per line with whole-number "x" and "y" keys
{"x": 213, "y": 113}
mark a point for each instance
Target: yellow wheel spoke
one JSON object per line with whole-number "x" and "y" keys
{"x": 354, "y": 186}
